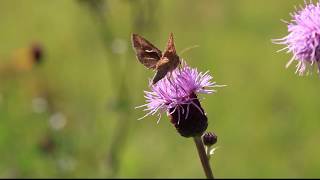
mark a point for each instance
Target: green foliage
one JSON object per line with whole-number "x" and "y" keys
{"x": 267, "y": 118}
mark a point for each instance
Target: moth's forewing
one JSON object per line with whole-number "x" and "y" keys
{"x": 146, "y": 52}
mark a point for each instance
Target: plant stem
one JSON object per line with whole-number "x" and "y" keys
{"x": 203, "y": 157}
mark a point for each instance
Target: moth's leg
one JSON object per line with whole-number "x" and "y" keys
{"x": 170, "y": 74}
{"x": 170, "y": 77}
{"x": 179, "y": 68}
{"x": 172, "y": 83}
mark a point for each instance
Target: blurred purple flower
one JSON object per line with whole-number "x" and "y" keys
{"x": 304, "y": 37}
{"x": 176, "y": 94}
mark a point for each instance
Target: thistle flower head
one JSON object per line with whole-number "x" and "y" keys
{"x": 304, "y": 37}
{"x": 176, "y": 94}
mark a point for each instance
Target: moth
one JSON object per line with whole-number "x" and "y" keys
{"x": 152, "y": 58}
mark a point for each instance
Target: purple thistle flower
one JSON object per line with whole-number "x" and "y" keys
{"x": 304, "y": 37}
{"x": 176, "y": 94}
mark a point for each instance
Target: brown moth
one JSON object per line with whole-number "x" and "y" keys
{"x": 152, "y": 58}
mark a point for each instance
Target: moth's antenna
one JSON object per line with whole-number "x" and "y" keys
{"x": 188, "y": 48}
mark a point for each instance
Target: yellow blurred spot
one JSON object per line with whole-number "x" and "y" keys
{"x": 23, "y": 59}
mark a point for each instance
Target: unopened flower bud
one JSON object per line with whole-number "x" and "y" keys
{"x": 209, "y": 139}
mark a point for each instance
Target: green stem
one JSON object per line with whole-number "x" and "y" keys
{"x": 203, "y": 157}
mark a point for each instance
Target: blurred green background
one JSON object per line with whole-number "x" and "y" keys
{"x": 72, "y": 114}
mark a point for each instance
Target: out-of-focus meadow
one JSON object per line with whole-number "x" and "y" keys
{"x": 71, "y": 114}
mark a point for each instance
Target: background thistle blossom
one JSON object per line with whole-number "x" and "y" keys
{"x": 177, "y": 95}
{"x": 304, "y": 37}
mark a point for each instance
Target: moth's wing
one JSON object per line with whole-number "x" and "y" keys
{"x": 171, "y": 54}
{"x": 146, "y": 52}
{"x": 170, "y": 45}
{"x": 161, "y": 73}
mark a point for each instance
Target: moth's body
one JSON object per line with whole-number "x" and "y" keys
{"x": 153, "y": 58}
